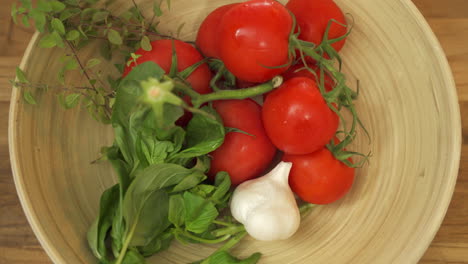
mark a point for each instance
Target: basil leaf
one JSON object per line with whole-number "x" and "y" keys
{"x": 129, "y": 90}
{"x": 204, "y": 135}
{"x": 158, "y": 244}
{"x": 190, "y": 181}
{"x": 226, "y": 258}
{"x": 199, "y": 212}
{"x": 177, "y": 210}
{"x": 98, "y": 231}
{"x": 133, "y": 257}
{"x": 146, "y": 205}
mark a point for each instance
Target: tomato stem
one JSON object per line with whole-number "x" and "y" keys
{"x": 238, "y": 94}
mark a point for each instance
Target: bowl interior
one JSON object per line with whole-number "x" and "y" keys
{"x": 407, "y": 102}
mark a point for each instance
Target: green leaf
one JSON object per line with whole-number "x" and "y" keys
{"x": 25, "y": 20}
{"x": 114, "y": 37}
{"x": 199, "y": 212}
{"x": 157, "y": 8}
{"x": 93, "y": 62}
{"x": 72, "y": 100}
{"x": 58, "y": 26}
{"x": 146, "y": 204}
{"x": 158, "y": 244}
{"x": 48, "y": 41}
{"x": 100, "y": 16}
{"x": 29, "y": 98}
{"x": 14, "y": 13}
{"x": 26, "y": 4}
{"x": 204, "y": 134}
{"x": 98, "y": 232}
{"x": 58, "y": 39}
{"x": 226, "y": 258}
{"x": 146, "y": 44}
{"x": 177, "y": 210}
{"x": 190, "y": 181}
{"x": 44, "y": 6}
{"x": 57, "y": 6}
{"x": 223, "y": 184}
{"x": 73, "y": 35}
{"x": 66, "y": 14}
{"x": 72, "y": 2}
{"x": 129, "y": 90}
{"x": 133, "y": 257}
{"x": 21, "y": 75}
{"x": 39, "y": 19}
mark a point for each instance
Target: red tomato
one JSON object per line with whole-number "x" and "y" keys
{"x": 297, "y": 118}
{"x": 243, "y": 156}
{"x": 313, "y": 16}
{"x": 254, "y": 36}
{"x": 298, "y": 70}
{"x": 187, "y": 55}
{"x": 318, "y": 177}
{"x": 208, "y": 34}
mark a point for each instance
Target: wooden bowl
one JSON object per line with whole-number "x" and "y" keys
{"x": 408, "y": 103}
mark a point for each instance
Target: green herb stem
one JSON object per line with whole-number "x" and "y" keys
{"x": 126, "y": 244}
{"x": 238, "y": 94}
{"x": 203, "y": 240}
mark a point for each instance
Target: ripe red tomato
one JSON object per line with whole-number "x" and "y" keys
{"x": 318, "y": 177}
{"x": 208, "y": 34}
{"x": 298, "y": 70}
{"x": 161, "y": 54}
{"x": 313, "y": 16}
{"x": 297, "y": 118}
{"x": 254, "y": 37}
{"x": 243, "y": 156}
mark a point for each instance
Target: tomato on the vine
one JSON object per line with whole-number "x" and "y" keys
{"x": 296, "y": 117}
{"x": 243, "y": 156}
{"x": 208, "y": 33}
{"x": 313, "y": 17}
{"x": 161, "y": 54}
{"x": 318, "y": 177}
{"x": 254, "y": 40}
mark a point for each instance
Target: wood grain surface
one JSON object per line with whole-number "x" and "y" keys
{"x": 448, "y": 19}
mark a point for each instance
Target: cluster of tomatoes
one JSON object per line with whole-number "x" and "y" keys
{"x": 257, "y": 40}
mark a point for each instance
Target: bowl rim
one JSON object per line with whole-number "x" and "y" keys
{"x": 418, "y": 251}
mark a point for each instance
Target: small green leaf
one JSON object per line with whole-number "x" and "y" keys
{"x": 114, "y": 37}
{"x": 127, "y": 15}
{"x": 199, "y": 212}
{"x": 88, "y": 12}
{"x": 48, "y": 41}
{"x": 146, "y": 44}
{"x": 29, "y": 98}
{"x": 66, "y": 14}
{"x": 58, "y": 26}
{"x": 72, "y": 100}
{"x": 168, "y": 2}
{"x": 93, "y": 62}
{"x": 14, "y": 13}
{"x": 44, "y": 6}
{"x": 72, "y": 2}
{"x": 39, "y": 19}
{"x": 157, "y": 8}
{"x": 100, "y": 16}
{"x": 73, "y": 35}
{"x": 57, "y": 6}
{"x": 58, "y": 39}
{"x": 26, "y": 4}
{"x": 21, "y": 75}
{"x": 25, "y": 20}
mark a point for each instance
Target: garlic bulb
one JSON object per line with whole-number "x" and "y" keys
{"x": 266, "y": 205}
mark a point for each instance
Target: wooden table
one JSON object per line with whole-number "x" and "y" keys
{"x": 448, "y": 19}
